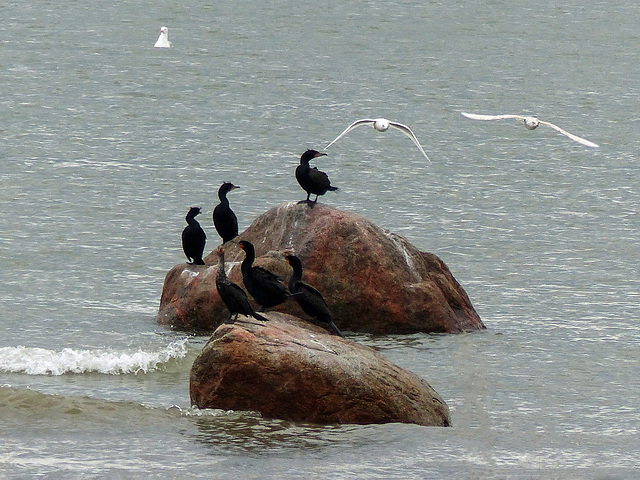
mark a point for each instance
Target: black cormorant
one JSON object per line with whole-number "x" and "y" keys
{"x": 233, "y": 296}
{"x": 224, "y": 219}
{"x": 309, "y": 299}
{"x": 310, "y": 179}
{"x": 193, "y": 238}
{"x": 265, "y": 287}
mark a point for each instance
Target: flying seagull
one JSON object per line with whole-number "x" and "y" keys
{"x": 163, "y": 39}
{"x": 382, "y": 125}
{"x": 531, "y": 123}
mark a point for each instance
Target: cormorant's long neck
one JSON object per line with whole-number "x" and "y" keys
{"x": 297, "y": 275}
{"x": 221, "y": 274}
{"x": 248, "y": 260}
{"x": 224, "y": 201}
{"x": 191, "y": 220}
{"x": 304, "y": 163}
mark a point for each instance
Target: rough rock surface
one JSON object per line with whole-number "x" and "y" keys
{"x": 373, "y": 280}
{"x": 291, "y": 370}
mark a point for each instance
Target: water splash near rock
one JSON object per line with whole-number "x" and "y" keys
{"x": 41, "y": 361}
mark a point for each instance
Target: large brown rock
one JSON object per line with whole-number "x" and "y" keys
{"x": 373, "y": 280}
{"x": 291, "y": 370}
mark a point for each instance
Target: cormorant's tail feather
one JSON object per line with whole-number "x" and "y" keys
{"x": 336, "y": 330}
{"x": 333, "y": 189}
{"x": 257, "y": 316}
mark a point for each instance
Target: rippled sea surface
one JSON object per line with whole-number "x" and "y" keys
{"x": 106, "y": 142}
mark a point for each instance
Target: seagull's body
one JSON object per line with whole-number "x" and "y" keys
{"x": 163, "y": 39}
{"x": 382, "y": 125}
{"x": 531, "y": 123}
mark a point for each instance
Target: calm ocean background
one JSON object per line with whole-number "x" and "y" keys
{"x": 106, "y": 142}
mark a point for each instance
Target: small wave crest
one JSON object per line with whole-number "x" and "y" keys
{"x": 40, "y": 361}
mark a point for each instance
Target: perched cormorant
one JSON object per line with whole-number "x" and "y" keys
{"x": 193, "y": 238}
{"x": 224, "y": 219}
{"x": 309, "y": 299}
{"x": 310, "y": 179}
{"x": 264, "y": 286}
{"x": 232, "y": 294}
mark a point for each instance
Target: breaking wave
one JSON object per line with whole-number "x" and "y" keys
{"x": 40, "y": 361}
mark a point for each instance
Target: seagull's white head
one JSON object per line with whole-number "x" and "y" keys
{"x": 164, "y": 30}
{"x": 531, "y": 123}
{"x": 381, "y": 124}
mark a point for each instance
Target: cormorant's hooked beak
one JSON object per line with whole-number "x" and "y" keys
{"x": 319, "y": 154}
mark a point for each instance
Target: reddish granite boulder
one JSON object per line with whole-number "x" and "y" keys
{"x": 373, "y": 280}
{"x": 291, "y": 370}
{"x": 188, "y": 300}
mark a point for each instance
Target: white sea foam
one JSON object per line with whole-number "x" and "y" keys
{"x": 40, "y": 361}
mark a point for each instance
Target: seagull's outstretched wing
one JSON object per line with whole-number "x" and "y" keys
{"x": 477, "y": 116}
{"x": 411, "y": 135}
{"x": 351, "y": 127}
{"x": 571, "y": 135}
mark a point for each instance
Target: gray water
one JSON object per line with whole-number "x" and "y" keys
{"x": 106, "y": 143}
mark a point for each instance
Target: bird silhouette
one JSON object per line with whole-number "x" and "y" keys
{"x": 309, "y": 299}
{"x": 312, "y": 180}
{"x": 193, "y": 238}
{"x": 264, "y": 286}
{"x": 224, "y": 219}
{"x": 233, "y": 296}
